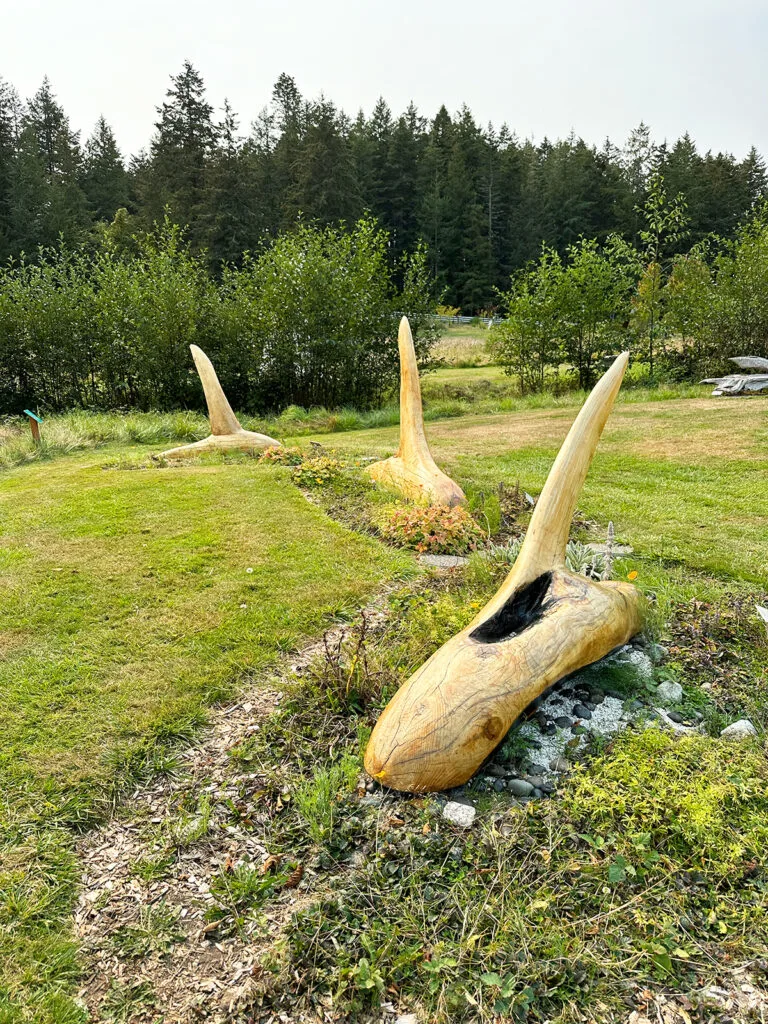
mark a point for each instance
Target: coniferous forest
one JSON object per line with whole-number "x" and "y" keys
{"x": 482, "y": 199}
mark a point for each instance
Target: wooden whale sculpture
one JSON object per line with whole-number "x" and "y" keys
{"x": 412, "y": 470}
{"x": 544, "y": 623}
{"x": 226, "y": 433}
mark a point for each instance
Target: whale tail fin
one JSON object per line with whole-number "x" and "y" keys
{"x": 223, "y": 420}
{"x": 547, "y": 534}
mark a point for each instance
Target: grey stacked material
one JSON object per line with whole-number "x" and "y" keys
{"x": 742, "y": 383}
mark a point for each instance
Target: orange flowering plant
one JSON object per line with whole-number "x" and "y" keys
{"x": 435, "y": 530}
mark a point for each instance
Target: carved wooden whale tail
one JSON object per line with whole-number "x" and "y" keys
{"x": 223, "y": 420}
{"x": 547, "y": 535}
{"x": 543, "y": 623}
{"x": 412, "y": 470}
{"x": 226, "y": 432}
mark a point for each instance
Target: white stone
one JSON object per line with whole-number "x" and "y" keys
{"x": 741, "y": 730}
{"x": 664, "y": 718}
{"x": 443, "y": 561}
{"x": 459, "y": 814}
{"x": 670, "y": 693}
{"x": 639, "y": 660}
{"x": 407, "y": 1018}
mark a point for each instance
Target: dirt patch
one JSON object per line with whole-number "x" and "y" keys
{"x": 147, "y": 919}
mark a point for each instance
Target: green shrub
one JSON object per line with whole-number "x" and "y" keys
{"x": 435, "y": 530}
{"x": 279, "y": 455}
{"x": 316, "y": 472}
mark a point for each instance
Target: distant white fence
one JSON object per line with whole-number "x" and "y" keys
{"x": 487, "y": 321}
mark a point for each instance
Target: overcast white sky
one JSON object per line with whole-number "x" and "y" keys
{"x": 544, "y": 66}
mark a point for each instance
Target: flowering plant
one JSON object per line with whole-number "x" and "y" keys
{"x": 435, "y": 530}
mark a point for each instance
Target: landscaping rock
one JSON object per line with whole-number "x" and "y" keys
{"x": 462, "y": 815}
{"x": 562, "y": 722}
{"x": 639, "y": 660}
{"x": 670, "y": 693}
{"x": 443, "y": 561}
{"x": 560, "y": 764}
{"x": 741, "y": 730}
{"x": 658, "y": 653}
{"x": 536, "y": 781}
{"x": 407, "y": 1018}
{"x": 675, "y": 716}
{"x": 519, "y": 787}
{"x": 581, "y": 712}
{"x": 672, "y": 723}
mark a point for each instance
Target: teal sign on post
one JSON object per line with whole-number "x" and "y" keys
{"x": 37, "y": 419}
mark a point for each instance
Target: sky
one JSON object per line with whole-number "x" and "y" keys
{"x": 546, "y": 68}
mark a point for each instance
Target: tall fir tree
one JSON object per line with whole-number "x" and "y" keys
{"x": 104, "y": 178}
{"x": 58, "y": 149}
{"x": 184, "y": 140}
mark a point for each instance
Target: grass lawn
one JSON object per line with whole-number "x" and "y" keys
{"x": 128, "y": 607}
{"x": 130, "y": 600}
{"x": 464, "y": 345}
{"x": 682, "y": 480}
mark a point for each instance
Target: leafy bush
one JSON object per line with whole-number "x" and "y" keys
{"x": 318, "y": 314}
{"x": 435, "y": 530}
{"x": 312, "y": 320}
{"x": 279, "y": 455}
{"x": 316, "y": 472}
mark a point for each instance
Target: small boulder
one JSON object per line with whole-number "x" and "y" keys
{"x": 444, "y": 561}
{"x": 519, "y": 787}
{"x": 658, "y": 653}
{"x": 669, "y": 692}
{"x": 462, "y": 815}
{"x": 741, "y": 730}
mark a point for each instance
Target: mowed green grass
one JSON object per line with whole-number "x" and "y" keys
{"x": 127, "y": 606}
{"x": 129, "y": 601}
{"x": 682, "y": 480}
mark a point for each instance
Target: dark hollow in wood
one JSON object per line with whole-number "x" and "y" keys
{"x": 521, "y": 610}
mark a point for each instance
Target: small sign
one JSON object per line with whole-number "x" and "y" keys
{"x": 37, "y": 419}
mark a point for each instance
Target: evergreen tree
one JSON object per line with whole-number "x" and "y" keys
{"x": 11, "y": 115}
{"x": 58, "y": 149}
{"x": 104, "y": 178}
{"x": 184, "y": 139}
{"x": 29, "y": 225}
{"x": 403, "y": 158}
{"x": 324, "y": 187}
{"x": 234, "y": 219}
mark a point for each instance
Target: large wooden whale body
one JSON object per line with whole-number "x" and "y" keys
{"x": 544, "y": 623}
{"x": 226, "y": 432}
{"x": 412, "y": 470}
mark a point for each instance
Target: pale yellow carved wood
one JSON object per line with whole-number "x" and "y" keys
{"x": 449, "y": 716}
{"x": 226, "y": 432}
{"x": 412, "y": 470}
